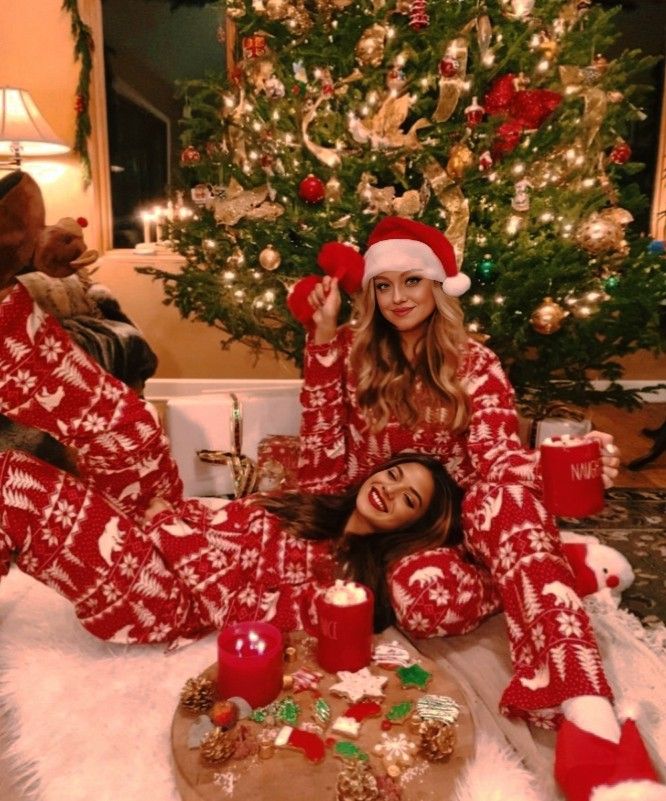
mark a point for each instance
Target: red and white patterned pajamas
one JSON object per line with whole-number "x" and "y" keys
{"x": 517, "y": 556}
{"x": 190, "y": 569}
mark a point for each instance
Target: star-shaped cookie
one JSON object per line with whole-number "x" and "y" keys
{"x": 358, "y": 685}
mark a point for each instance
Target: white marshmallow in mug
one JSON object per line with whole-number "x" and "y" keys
{"x": 345, "y": 594}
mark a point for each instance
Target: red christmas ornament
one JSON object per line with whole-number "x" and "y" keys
{"x": 190, "y": 156}
{"x": 418, "y": 15}
{"x": 254, "y": 46}
{"x": 295, "y": 89}
{"x": 82, "y": 222}
{"x": 449, "y": 67}
{"x": 507, "y": 138}
{"x": 532, "y": 107}
{"x": 312, "y": 189}
{"x": 621, "y": 153}
{"x": 80, "y": 104}
{"x": 499, "y": 96}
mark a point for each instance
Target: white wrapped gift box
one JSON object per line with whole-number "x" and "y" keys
{"x": 204, "y": 422}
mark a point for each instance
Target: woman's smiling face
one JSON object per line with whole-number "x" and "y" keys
{"x": 404, "y": 299}
{"x": 392, "y": 499}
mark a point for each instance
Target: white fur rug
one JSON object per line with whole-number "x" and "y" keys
{"x": 92, "y": 721}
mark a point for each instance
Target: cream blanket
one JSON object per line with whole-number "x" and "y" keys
{"x": 87, "y": 720}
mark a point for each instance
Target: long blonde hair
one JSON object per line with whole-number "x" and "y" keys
{"x": 385, "y": 377}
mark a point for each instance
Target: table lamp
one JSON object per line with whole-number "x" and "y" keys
{"x": 23, "y": 129}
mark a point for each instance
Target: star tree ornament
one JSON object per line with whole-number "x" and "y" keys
{"x": 548, "y": 317}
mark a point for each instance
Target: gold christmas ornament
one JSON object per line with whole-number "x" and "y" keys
{"x": 197, "y": 694}
{"x": 370, "y": 47}
{"x": 333, "y": 190}
{"x": 547, "y": 318}
{"x": 603, "y": 231}
{"x": 269, "y": 258}
{"x": 460, "y": 159}
{"x": 217, "y": 746}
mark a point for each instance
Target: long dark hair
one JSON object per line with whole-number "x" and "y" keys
{"x": 367, "y": 559}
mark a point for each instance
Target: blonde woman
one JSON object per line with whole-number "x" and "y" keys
{"x": 405, "y": 376}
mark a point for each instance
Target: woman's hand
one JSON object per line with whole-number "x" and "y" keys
{"x": 325, "y": 299}
{"x": 610, "y": 456}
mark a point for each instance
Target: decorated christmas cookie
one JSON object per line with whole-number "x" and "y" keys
{"x": 308, "y": 742}
{"x": 437, "y": 707}
{"x": 346, "y": 726}
{"x": 413, "y": 676}
{"x": 396, "y": 750}
{"x": 305, "y": 679}
{"x": 391, "y": 655}
{"x": 359, "y": 685}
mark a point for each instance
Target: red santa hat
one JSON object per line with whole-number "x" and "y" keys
{"x": 398, "y": 243}
{"x": 395, "y": 244}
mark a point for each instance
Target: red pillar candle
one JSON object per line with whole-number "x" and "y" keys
{"x": 249, "y": 662}
{"x": 572, "y": 480}
{"x": 344, "y": 627}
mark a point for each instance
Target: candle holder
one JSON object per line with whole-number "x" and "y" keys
{"x": 250, "y": 662}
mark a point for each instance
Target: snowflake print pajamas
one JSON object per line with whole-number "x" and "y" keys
{"x": 514, "y": 545}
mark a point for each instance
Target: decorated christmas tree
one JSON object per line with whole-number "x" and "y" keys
{"x": 501, "y": 122}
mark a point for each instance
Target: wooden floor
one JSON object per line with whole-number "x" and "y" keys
{"x": 626, "y": 428}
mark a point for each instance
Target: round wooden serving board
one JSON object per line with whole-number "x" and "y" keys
{"x": 289, "y": 776}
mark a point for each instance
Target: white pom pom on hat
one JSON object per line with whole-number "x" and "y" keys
{"x": 401, "y": 244}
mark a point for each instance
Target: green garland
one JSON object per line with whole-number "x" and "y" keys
{"x": 83, "y": 50}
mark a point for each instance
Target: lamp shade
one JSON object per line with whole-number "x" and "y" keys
{"x": 22, "y": 125}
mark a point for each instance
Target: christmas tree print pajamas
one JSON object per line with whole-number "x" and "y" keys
{"x": 514, "y": 544}
{"x": 187, "y": 571}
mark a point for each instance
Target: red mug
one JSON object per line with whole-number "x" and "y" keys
{"x": 344, "y": 632}
{"x": 572, "y": 476}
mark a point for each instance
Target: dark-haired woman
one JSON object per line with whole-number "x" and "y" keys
{"x": 142, "y": 564}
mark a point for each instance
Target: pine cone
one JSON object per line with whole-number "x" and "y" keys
{"x": 217, "y": 746}
{"x": 357, "y": 782}
{"x": 437, "y": 739}
{"x": 198, "y": 694}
